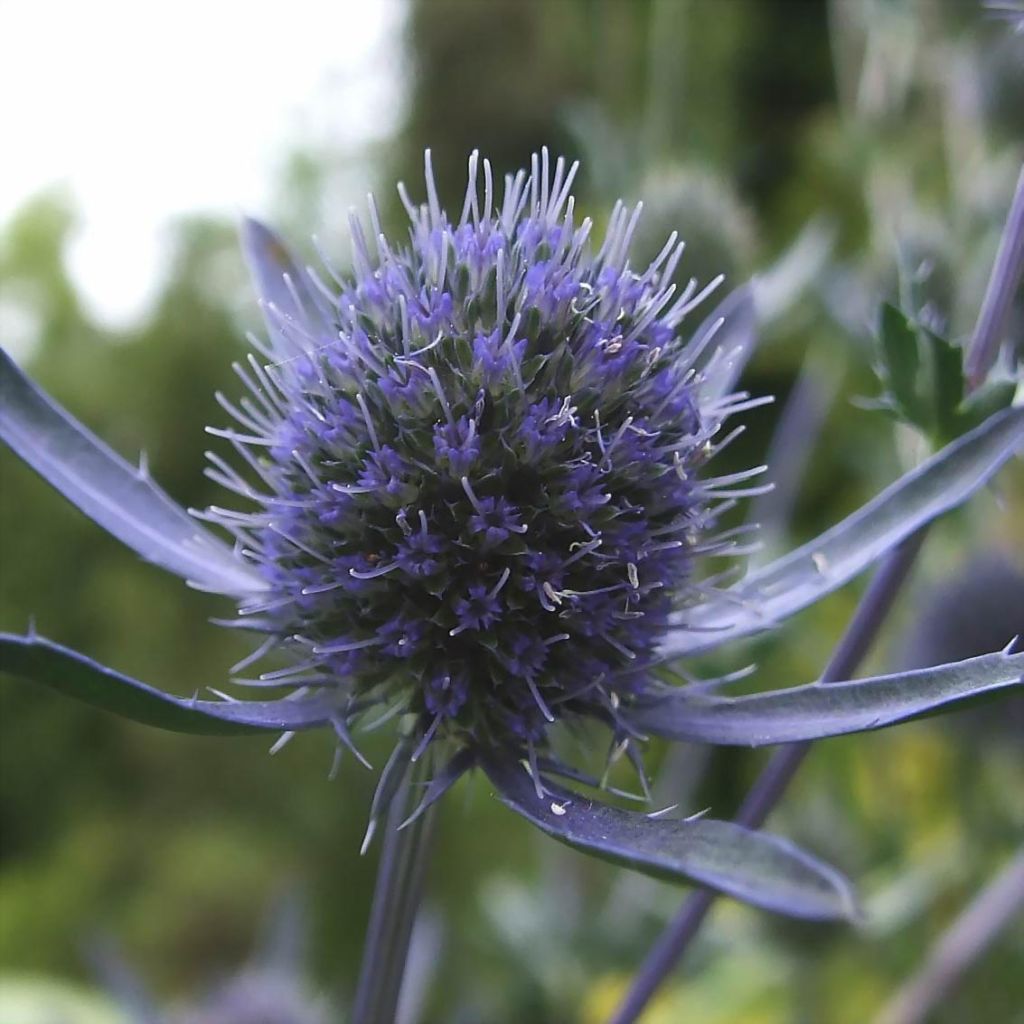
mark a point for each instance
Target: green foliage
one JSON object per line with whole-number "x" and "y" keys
{"x": 926, "y": 385}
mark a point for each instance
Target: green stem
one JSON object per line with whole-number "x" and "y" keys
{"x": 396, "y": 900}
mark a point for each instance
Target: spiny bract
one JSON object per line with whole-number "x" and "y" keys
{"x": 481, "y": 453}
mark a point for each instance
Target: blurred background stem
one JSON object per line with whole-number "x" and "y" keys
{"x": 962, "y": 945}
{"x": 1002, "y": 286}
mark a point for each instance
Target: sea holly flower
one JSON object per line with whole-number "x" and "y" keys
{"x": 478, "y": 495}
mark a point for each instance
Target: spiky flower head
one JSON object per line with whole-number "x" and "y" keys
{"x": 482, "y": 458}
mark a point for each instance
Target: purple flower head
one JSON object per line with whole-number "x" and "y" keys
{"x": 487, "y": 465}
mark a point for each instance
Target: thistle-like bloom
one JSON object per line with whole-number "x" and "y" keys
{"x": 477, "y": 498}
{"x": 482, "y": 466}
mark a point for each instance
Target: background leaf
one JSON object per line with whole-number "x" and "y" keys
{"x": 901, "y": 364}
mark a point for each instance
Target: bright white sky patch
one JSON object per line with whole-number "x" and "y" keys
{"x": 145, "y": 111}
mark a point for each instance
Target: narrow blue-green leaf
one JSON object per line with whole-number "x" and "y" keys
{"x": 826, "y": 709}
{"x": 756, "y": 867}
{"x": 287, "y": 295}
{"x": 37, "y": 660}
{"x": 787, "y": 585}
{"x": 118, "y": 496}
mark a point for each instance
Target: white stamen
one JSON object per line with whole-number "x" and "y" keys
{"x": 501, "y": 583}
{"x": 369, "y": 422}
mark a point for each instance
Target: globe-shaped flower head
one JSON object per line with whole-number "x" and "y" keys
{"x": 481, "y": 453}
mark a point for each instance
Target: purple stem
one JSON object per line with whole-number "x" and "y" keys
{"x": 1003, "y": 283}
{"x": 874, "y": 606}
{"x": 396, "y": 899}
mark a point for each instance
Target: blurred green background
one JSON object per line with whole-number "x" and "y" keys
{"x": 845, "y": 153}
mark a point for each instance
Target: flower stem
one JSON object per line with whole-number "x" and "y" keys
{"x": 396, "y": 899}
{"x": 871, "y": 612}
